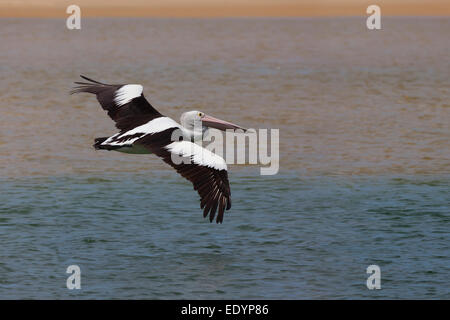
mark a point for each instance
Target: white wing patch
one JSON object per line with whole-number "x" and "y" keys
{"x": 198, "y": 154}
{"x": 154, "y": 126}
{"x": 127, "y": 93}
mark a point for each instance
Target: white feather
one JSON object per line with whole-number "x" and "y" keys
{"x": 127, "y": 93}
{"x": 198, "y": 154}
{"x": 154, "y": 126}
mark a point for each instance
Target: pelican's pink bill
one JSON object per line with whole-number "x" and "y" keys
{"x": 212, "y": 122}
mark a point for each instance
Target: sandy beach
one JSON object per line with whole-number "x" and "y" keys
{"x": 219, "y": 8}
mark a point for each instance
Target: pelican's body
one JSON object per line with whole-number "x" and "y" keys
{"x": 143, "y": 130}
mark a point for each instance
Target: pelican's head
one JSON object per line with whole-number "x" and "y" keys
{"x": 197, "y": 120}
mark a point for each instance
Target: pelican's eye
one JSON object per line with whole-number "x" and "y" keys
{"x": 201, "y": 114}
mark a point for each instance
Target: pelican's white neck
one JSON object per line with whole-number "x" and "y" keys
{"x": 196, "y": 134}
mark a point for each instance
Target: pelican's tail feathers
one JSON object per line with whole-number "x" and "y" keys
{"x": 98, "y": 144}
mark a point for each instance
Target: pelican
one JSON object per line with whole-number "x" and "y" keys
{"x": 144, "y": 130}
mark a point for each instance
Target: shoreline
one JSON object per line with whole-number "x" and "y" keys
{"x": 276, "y": 11}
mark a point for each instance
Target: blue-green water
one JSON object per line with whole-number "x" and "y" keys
{"x": 286, "y": 236}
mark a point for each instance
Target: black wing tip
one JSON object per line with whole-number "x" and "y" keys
{"x": 86, "y": 86}
{"x": 76, "y": 90}
{"x": 90, "y": 80}
{"x": 218, "y": 221}
{"x": 228, "y": 203}
{"x": 80, "y": 89}
{"x": 222, "y": 207}
{"x": 212, "y": 214}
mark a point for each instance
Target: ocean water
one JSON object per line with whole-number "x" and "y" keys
{"x": 364, "y": 160}
{"x": 286, "y": 237}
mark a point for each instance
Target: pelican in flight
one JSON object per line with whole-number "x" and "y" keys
{"x": 144, "y": 130}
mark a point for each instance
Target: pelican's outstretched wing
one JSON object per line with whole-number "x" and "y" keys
{"x": 125, "y": 103}
{"x": 206, "y": 171}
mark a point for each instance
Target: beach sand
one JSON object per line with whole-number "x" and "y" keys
{"x": 217, "y": 8}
